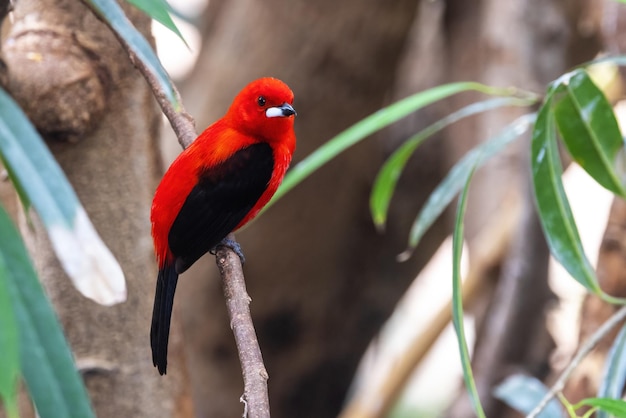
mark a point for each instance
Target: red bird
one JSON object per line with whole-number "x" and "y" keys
{"x": 216, "y": 186}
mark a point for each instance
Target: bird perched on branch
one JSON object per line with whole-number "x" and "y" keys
{"x": 215, "y": 186}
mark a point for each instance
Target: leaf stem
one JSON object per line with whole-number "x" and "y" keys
{"x": 582, "y": 352}
{"x": 457, "y": 300}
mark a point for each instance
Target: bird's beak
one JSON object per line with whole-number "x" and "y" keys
{"x": 281, "y": 111}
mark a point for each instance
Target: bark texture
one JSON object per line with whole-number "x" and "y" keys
{"x": 78, "y": 86}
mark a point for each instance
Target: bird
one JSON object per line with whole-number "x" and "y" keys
{"x": 215, "y": 186}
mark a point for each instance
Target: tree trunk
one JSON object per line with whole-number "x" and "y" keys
{"x": 85, "y": 95}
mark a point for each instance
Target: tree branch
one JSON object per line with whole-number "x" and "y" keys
{"x": 255, "y": 397}
{"x": 182, "y": 122}
{"x": 582, "y": 352}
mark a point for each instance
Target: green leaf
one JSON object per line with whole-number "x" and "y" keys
{"x": 387, "y": 178}
{"x": 32, "y": 168}
{"x": 158, "y": 10}
{"x": 46, "y": 360}
{"x": 616, "y": 59}
{"x": 588, "y": 127}
{"x": 555, "y": 213}
{"x": 612, "y": 384}
{"x": 616, "y": 407}
{"x": 457, "y": 300}
{"x": 373, "y": 123}
{"x": 111, "y": 12}
{"x": 9, "y": 347}
{"x": 441, "y": 197}
{"x": 524, "y": 393}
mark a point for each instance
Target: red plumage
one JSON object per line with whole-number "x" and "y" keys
{"x": 217, "y": 185}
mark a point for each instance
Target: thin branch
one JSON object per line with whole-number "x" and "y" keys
{"x": 255, "y": 398}
{"x": 182, "y": 122}
{"x": 582, "y": 352}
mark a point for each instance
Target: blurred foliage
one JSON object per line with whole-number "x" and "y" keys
{"x": 614, "y": 377}
{"x": 457, "y": 298}
{"x": 31, "y": 328}
{"x": 114, "y": 16}
{"x": 524, "y": 393}
{"x": 29, "y": 324}
{"x": 573, "y": 106}
{"x": 160, "y": 11}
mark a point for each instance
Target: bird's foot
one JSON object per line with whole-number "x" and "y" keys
{"x": 233, "y": 245}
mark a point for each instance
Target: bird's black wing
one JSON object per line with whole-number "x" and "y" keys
{"x": 222, "y": 198}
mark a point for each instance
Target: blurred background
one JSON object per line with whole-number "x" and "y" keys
{"x": 322, "y": 279}
{"x": 336, "y": 314}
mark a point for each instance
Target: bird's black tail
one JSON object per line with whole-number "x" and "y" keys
{"x": 161, "y": 315}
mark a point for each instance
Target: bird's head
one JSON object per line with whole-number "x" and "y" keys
{"x": 264, "y": 109}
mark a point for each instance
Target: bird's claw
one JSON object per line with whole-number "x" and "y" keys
{"x": 233, "y": 245}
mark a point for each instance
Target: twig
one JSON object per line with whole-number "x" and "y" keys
{"x": 255, "y": 376}
{"x": 182, "y": 122}
{"x": 582, "y": 352}
{"x": 255, "y": 397}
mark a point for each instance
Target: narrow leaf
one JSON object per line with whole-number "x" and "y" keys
{"x": 441, "y": 197}
{"x": 457, "y": 300}
{"x": 612, "y": 384}
{"x": 615, "y": 59}
{"x": 555, "y": 213}
{"x": 387, "y": 178}
{"x": 32, "y": 168}
{"x": 46, "y": 361}
{"x": 615, "y": 407}
{"x": 9, "y": 347}
{"x": 523, "y": 393}
{"x": 158, "y": 10}
{"x": 588, "y": 127}
{"x": 373, "y": 123}
{"x": 110, "y": 11}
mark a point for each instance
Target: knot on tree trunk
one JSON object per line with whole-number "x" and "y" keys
{"x": 59, "y": 82}
{"x": 61, "y": 63}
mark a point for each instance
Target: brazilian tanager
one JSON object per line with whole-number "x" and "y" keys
{"x": 215, "y": 186}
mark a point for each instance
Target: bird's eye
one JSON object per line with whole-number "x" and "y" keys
{"x": 261, "y": 101}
